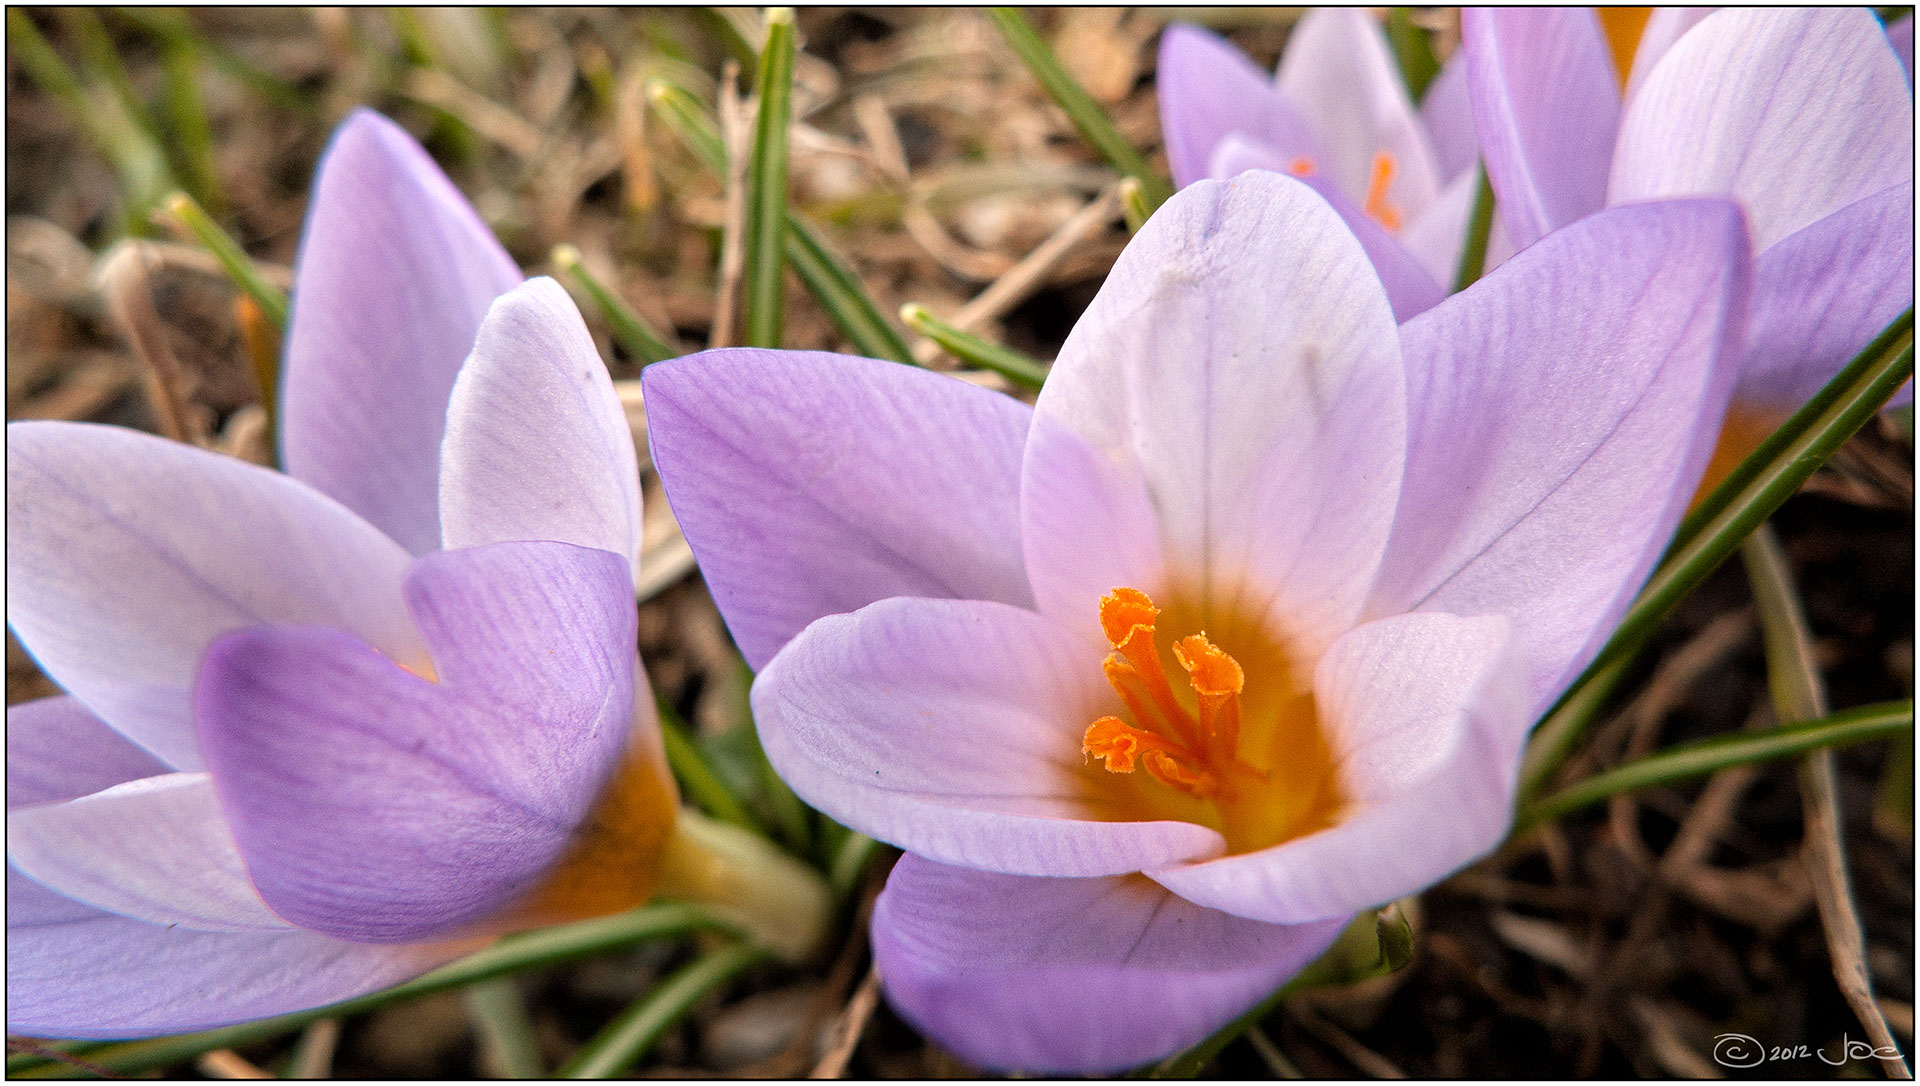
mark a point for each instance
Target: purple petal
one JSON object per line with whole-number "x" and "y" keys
{"x": 1795, "y": 112}
{"x": 1447, "y": 112}
{"x": 1546, "y": 103}
{"x": 813, "y": 484}
{"x": 1564, "y": 408}
{"x": 1900, "y": 36}
{"x": 1226, "y": 414}
{"x": 1338, "y": 73}
{"x": 77, "y": 972}
{"x": 374, "y": 805}
{"x": 157, "y": 850}
{"x": 537, "y": 445}
{"x": 1071, "y": 976}
{"x": 1425, "y": 716}
{"x": 128, "y": 554}
{"x": 1436, "y": 235}
{"x": 1664, "y": 27}
{"x": 1822, "y": 294}
{"x": 1411, "y": 289}
{"x": 394, "y": 273}
{"x": 952, "y": 729}
{"x": 57, "y": 750}
{"x": 1208, "y": 91}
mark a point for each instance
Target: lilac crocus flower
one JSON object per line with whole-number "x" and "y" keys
{"x": 326, "y": 730}
{"x": 1336, "y": 114}
{"x": 1805, "y": 116}
{"x": 1235, "y": 633}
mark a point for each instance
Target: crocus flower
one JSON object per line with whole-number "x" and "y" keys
{"x": 1235, "y": 633}
{"x": 328, "y": 729}
{"x": 1336, "y": 114}
{"x": 1805, "y": 116}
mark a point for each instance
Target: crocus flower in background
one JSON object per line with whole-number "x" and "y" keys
{"x": 1336, "y": 114}
{"x": 1235, "y": 633}
{"x": 326, "y": 730}
{"x": 1805, "y": 116}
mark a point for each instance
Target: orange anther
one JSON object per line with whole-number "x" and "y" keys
{"x": 1171, "y": 769}
{"x": 1300, "y": 167}
{"x": 1123, "y": 611}
{"x": 1377, "y": 206}
{"x": 1217, "y": 680}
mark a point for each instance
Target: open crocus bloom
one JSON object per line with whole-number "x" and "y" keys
{"x": 1337, "y": 115}
{"x": 1805, "y": 116}
{"x": 1235, "y": 633}
{"x": 326, "y": 730}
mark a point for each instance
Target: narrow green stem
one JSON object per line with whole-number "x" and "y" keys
{"x": 1413, "y": 50}
{"x": 766, "y": 280}
{"x": 735, "y": 873}
{"x": 1086, "y": 114}
{"x": 1553, "y": 740}
{"x": 499, "y": 1015}
{"x": 835, "y": 287}
{"x": 1721, "y": 752}
{"x": 1019, "y": 368}
{"x": 234, "y": 259}
{"x": 629, "y": 327}
{"x": 700, "y": 779}
{"x": 529, "y": 950}
{"x": 1133, "y": 204}
{"x": 628, "y": 1037}
{"x": 192, "y": 134}
{"x": 1473, "y": 250}
{"x": 850, "y": 862}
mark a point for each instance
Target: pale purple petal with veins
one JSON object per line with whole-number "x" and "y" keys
{"x": 394, "y": 273}
{"x": 1338, "y": 73}
{"x": 1546, "y": 103}
{"x": 1563, "y": 408}
{"x": 73, "y": 971}
{"x": 1209, "y": 90}
{"x": 1447, "y": 111}
{"x": 375, "y": 805}
{"x": 952, "y": 729}
{"x": 1237, "y": 378}
{"x": 1070, "y": 976}
{"x": 811, "y": 484}
{"x": 57, "y": 750}
{"x": 128, "y": 554}
{"x": 1820, "y": 295}
{"x": 537, "y": 445}
{"x": 1806, "y": 112}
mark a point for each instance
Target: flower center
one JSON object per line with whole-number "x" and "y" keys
{"x": 1260, "y": 776}
{"x": 1377, "y": 207}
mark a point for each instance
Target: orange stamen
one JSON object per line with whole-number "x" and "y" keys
{"x": 1177, "y": 750}
{"x": 1377, "y": 206}
{"x": 1300, "y": 167}
{"x": 1217, "y": 680}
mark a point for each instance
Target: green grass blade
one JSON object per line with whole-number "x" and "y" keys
{"x": 1019, "y": 368}
{"x": 171, "y": 27}
{"x": 499, "y": 1015}
{"x": 1133, "y": 204}
{"x": 1553, "y": 740}
{"x": 233, "y": 258}
{"x": 1723, "y": 752}
{"x": 835, "y": 287}
{"x": 766, "y": 280}
{"x": 1086, "y": 114}
{"x": 628, "y": 1037}
{"x": 736, "y": 43}
{"x": 1473, "y": 252}
{"x": 629, "y": 327}
{"x": 850, "y": 861}
{"x": 1414, "y": 51}
{"x": 192, "y": 134}
{"x": 529, "y": 950}
{"x": 1759, "y": 485}
{"x": 698, "y": 777}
